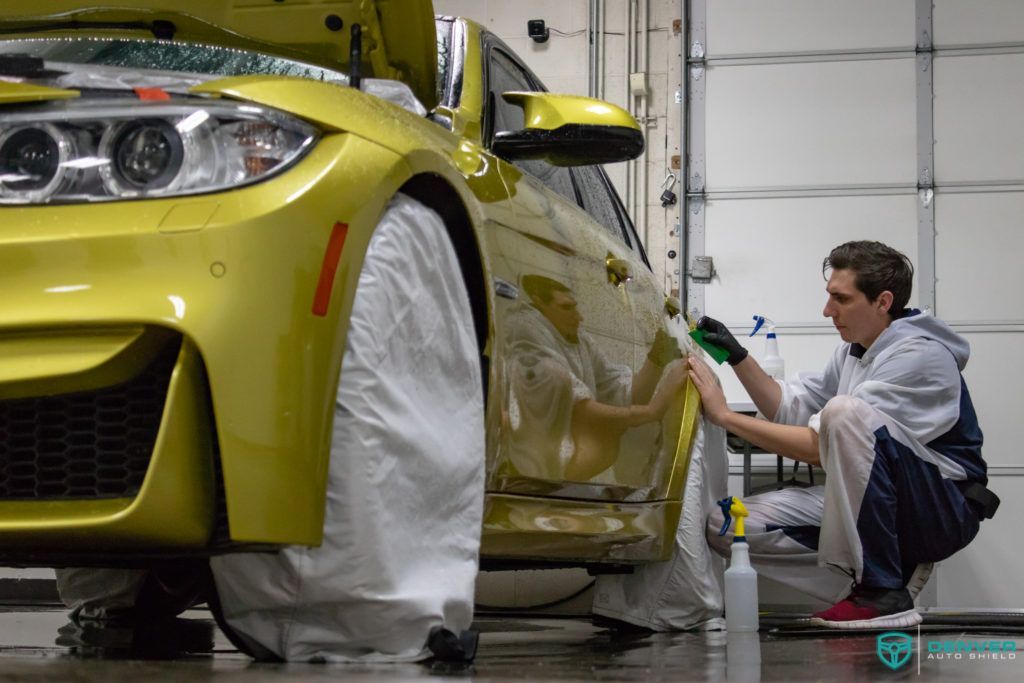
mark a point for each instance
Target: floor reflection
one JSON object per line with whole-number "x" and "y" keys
{"x": 160, "y": 639}
{"x": 512, "y": 648}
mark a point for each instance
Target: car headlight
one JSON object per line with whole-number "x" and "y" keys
{"x": 31, "y": 160}
{"x": 83, "y": 152}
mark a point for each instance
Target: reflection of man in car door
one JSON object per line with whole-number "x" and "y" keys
{"x": 569, "y": 406}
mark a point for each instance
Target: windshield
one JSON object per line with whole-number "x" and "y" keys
{"x": 127, "y": 55}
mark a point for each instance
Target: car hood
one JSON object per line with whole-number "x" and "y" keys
{"x": 399, "y": 40}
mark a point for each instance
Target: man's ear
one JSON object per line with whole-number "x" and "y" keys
{"x": 884, "y": 300}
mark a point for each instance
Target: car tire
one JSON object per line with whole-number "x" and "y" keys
{"x": 405, "y": 481}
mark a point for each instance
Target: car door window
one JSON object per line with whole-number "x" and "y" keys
{"x": 598, "y": 202}
{"x": 638, "y": 247}
{"x": 504, "y": 75}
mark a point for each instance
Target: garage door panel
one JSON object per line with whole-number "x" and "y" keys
{"x": 978, "y": 111}
{"x": 737, "y": 27}
{"x": 768, "y": 252}
{"x": 981, "y": 575}
{"x": 977, "y": 256}
{"x": 995, "y": 386}
{"x": 956, "y": 22}
{"x": 810, "y": 124}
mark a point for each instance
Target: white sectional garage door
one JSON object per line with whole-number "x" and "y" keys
{"x": 813, "y": 122}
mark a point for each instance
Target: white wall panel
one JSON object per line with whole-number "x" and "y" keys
{"x": 560, "y": 58}
{"x": 615, "y": 15}
{"x": 768, "y": 252}
{"x": 832, "y": 123}
{"x": 745, "y": 27}
{"x": 615, "y": 64}
{"x": 994, "y": 378}
{"x": 962, "y": 22}
{"x": 979, "y": 106}
{"x": 508, "y": 19}
{"x": 978, "y": 249}
{"x": 987, "y": 573}
{"x": 802, "y": 353}
{"x": 471, "y": 9}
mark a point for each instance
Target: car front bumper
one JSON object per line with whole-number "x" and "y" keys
{"x": 232, "y": 278}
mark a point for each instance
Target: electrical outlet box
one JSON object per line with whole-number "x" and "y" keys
{"x": 638, "y": 84}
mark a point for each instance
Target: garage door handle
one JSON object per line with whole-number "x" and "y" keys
{"x": 619, "y": 270}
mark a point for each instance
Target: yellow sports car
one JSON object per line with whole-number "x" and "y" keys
{"x": 190, "y": 193}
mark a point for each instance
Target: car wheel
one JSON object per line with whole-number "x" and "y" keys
{"x": 405, "y": 482}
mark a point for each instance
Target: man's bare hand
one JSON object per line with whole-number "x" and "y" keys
{"x": 712, "y": 397}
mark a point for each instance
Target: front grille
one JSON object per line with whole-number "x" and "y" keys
{"x": 90, "y": 444}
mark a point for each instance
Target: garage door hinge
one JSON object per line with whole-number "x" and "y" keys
{"x": 696, "y": 184}
{"x": 926, "y": 196}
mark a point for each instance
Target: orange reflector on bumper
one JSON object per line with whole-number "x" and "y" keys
{"x": 322, "y": 299}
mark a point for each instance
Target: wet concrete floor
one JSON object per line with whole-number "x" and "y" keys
{"x": 40, "y": 643}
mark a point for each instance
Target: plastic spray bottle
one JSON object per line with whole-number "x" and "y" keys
{"x": 772, "y": 363}
{"x": 740, "y": 578}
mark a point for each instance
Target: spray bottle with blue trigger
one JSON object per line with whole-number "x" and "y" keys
{"x": 741, "y": 603}
{"x": 772, "y": 363}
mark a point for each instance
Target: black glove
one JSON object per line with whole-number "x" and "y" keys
{"x": 664, "y": 350}
{"x": 718, "y": 334}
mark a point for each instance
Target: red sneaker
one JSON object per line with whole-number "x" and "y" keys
{"x": 868, "y": 607}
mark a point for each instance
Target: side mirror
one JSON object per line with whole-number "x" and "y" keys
{"x": 568, "y": 130}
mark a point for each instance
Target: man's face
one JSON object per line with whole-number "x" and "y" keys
{"x": 561, "y": 311}
{"x": 858, "y": 320}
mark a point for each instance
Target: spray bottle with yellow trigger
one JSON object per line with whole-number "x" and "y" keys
{"x": 740, "y": 578}
{"x": 772, "y": 363}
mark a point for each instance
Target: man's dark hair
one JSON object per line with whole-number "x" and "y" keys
{"x": 540, "y": 288}
{"x": 877, "y": 267}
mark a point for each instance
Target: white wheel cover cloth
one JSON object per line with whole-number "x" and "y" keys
{"x": 684, "y": 593}
{"x": 405, "y": 483}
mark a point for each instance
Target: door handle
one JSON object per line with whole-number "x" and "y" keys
{"x": 619, "y": 270}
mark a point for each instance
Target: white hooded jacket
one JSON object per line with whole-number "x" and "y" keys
{"x": 911, "y": 374}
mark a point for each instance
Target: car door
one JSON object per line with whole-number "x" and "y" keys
{"x": 648, "y": 454}
{"x": 570, "y": 335}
